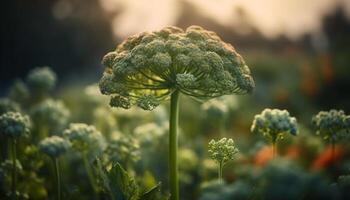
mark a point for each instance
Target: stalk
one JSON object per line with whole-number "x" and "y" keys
{"x": 89, "y": 173}
{"x": 274, "y": 150}
{"x": 220, "y": 171}
{"x": 58, "y": 178}
{"x": 173, "y": 144}
{"x": 14, "y": 168}
{"x": 333, "y": 149}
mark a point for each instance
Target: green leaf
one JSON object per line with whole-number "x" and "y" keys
{"x": 154, "y": 194}
{"x": 122, "y": 184}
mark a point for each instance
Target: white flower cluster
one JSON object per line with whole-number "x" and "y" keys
{"x": 222, "y": 150}
{"x": 274, "y": 123}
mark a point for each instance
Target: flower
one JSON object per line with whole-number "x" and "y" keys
{"x": 123, "y": 148}
{"x": 14, "y": 124}
{"x": 146, "y": 68}
{"x": 52, "y": 114}
{"x": 54, "y": 146}
{"x": 274, "y": 123}
{"x": 222, "y": 150}
{"x": 41, "y": 79}
{"x": 85, "y": 137}
{"x": 331, "y": 125}
{"x": 6, "y": 105}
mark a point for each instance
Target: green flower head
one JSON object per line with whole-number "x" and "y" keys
{"x": 54, "y": 146}
{"x": 14, "y": 124}
{"x": 85, "y": 137}
{"x": 274, "y": 123}
{"x": 146, "y": 68}
{"x": 222, "y": 150}
{"x": 41, "y": 79}
{"x": 331, "y": 125}
{"x": 6, "y": 105}
{"x": 50, "y": 113}
{"x": 123, "y": 148}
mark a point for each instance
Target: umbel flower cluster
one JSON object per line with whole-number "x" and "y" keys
{"x": 41, "y": 79}
{"x": 274, "y": 123}
{"x": 146, "y": 68}
{"x": 331, "y": 125}
{"x": 222, "y": 150}
{"x": 84, "y": 137}
{"x": 14, "y": 124}
{"x": 54, "y": 146}
{"x": 6, "y": 105}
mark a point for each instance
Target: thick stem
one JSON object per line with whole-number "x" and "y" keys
{"x": 14, "y": 168}
{"x": 89, "y": 173}
{"x": 58, "y": 178}
{"x": 173, "y": 143}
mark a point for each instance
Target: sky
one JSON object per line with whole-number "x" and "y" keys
{"x": 272, "y": 18}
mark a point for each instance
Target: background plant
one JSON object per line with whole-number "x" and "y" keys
{"x": 274, "y": 124}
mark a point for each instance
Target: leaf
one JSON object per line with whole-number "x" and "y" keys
{"x": 154, "y": 194}
{"x": 122, "y": 185}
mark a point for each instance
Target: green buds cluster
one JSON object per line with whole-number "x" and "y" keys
{"x": 41, "y": 79}
{"x": 147, "y": 68}
{"x": 6, "y": 105}
{"x": 54, "y": 146}
{"x": 14, "y": 124}
{"x": 331, "y": 125}
{"x": 274, "y": 123}
{"x": 50, "y": 113}
{"x": 84, "y": 137}
{"x": 222, "y": 150}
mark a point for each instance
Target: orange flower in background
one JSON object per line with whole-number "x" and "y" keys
{"x": 326, "y": 158}
{"x": 293, "y": 152}
{"x": 263, "y": 156}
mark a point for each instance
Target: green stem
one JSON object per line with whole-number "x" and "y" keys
{"x": 220, "y": 171}
{"x": 274, "y": 149}
{"x": 14, "y": 168}
{"x": 58, "y": 178}
{"x": 173, "y": 144}
{"x": 89, "y": 173}
{"x": 333, "y": 150}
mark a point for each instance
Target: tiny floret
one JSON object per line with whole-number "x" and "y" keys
{"x": 222, "y": 150}
{"x": 84, "y": 137}
{"x": 150, "y": 66}
{"x": 54, "y": 146}
{"x": 14, "y": 124}
{"x": 274, "y": 123}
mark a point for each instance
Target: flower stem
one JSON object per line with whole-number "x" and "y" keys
{"x": 274, "y": 149}
{"x": 333, "y": 150}
{"x": 89, "y": 173}
{"x": 58, "y": 178}
{"x": 14, "y": 168}
{"x": 173, "y": 144}
{"x": 220, "y": 171}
